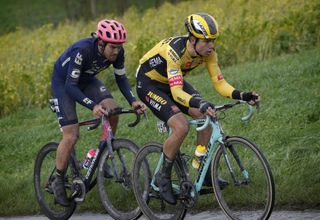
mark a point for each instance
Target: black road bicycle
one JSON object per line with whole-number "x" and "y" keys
{"x": 249, "y": 191}
{"x": 119, "y": 153}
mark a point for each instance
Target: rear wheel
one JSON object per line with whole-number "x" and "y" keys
{"x": 117, "y": 189}
{"x": 148, "y": 197}
{"x": 44, "y": 174}
{"x": 252, "y": 194}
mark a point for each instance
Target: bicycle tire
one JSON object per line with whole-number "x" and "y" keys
{"x": 150, "y": 202}
{"x": 44, "y": 168}
{"x": 252, "y": 199}
{"x": 113, "y": 192}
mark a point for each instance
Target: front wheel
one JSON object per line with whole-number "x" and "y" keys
{"x": 44, "y": 174}
{"x": 116, "y": 191}
{"x": 147, "y": 194}
{"x": 250, "y": 193}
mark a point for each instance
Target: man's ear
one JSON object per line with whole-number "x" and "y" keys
{"x": 192, "y": 39}
{"x": 101, "y": 43}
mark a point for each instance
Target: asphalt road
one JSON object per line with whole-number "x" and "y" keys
{"x": 212, "y": 215}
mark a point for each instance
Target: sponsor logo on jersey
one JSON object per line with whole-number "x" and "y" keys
{"x": 78, "y": 59}
{"x": 173, "y": 71}
{"x": 220, "y": 77}
{"x": 173, "y": 55}
{"x": 177, "y": 40}
{"x": 176, "y": 81}
{"x": 155, "y": 104}
{"x": 102, "y": 89}
{"x": 75, "y": 73}
{"x": 139, "y": 86}
{"x": 87, "y": 101}
{"x": 155, "y": 61}
{"x": 157, "y": 98}
{"x": 95, "y": 68}
{"x": 182, "y": 100}
{"x": 188, "y": 64}
{"x": 166, "y": 41}
{"x": 155, "y": 101}
{"x": 66, "y": 61}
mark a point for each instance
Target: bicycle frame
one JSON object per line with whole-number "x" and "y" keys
{"x": 105, "y": 142}
{"x": 217, "y": 137}
{"x": 106, "y": 138}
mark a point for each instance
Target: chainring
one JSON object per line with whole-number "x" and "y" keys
{"x": 189, "y": 195}
{"x": 78, "y": 189}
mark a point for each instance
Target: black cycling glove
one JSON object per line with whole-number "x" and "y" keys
{"x": 204, "y": 105}
{"x": 248, "y": 96}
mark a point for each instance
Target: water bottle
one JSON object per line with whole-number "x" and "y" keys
{"x": 89, "y": 158}
{"x": 198, "y": 156}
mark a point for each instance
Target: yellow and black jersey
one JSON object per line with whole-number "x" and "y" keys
{"x": 169, "y": 61}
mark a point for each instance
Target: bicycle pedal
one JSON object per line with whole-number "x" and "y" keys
{"x": 48, "y": 190}
{"x": 154, "y": 194}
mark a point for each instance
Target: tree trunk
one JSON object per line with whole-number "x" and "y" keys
{"x": 93, "y": 6}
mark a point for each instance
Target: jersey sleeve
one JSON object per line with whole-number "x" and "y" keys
{"x": 77, "y": 59}
{"x": 121, "y": 78}
{"x": 175, "y": 80}
{"x": 217, "y": 79}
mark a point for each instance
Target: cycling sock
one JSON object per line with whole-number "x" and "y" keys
{"x": 167, "y": 166}
{"x": 60, "y": 173}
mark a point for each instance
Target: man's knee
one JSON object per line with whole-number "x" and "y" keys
{"x": 179, "y": 126}
{"x": 70, "y": 135}
{"x": 70, "y": 140}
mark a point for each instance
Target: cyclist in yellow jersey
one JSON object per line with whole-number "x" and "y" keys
{"x": 161, "y": 86}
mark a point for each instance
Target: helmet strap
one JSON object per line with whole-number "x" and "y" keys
{"x": 102, "y": 44}
{"x": 194, "y": 46}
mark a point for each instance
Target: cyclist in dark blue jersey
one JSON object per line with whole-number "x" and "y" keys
{"x": 74, "y": 80}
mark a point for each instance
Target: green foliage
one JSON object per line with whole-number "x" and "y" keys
{"x": 249, "y": 32}
{"x": 34, "y": 13}
{"x": 286, "y": 129}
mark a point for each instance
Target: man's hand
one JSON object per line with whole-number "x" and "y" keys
{"x": 252, "y": 98}
{"x": 98, "y": 110}
{"x": 207, "y": 108}
{"x": 139, "y": 106}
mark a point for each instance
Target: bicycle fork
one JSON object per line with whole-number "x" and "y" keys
{"x": 119, "y": 177}
{"x": 244, "y": 172}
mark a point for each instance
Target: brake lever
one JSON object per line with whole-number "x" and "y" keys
{"x": 257, "y": 107}
{"x": 145, "y": 115}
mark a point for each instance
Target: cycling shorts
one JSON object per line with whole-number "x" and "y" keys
{"x": 65, "y": 105}
{"x": 157, "y": 96}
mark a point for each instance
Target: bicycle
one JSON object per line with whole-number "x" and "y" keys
{"x": 120, "y": 152}
{"x": 248, "y": 194}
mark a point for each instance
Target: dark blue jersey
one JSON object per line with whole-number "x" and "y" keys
{"x": 80, "y": 63}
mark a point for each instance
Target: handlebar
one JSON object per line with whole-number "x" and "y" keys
{"x": 117, "y": 111}
{"x": 227, "y": 106}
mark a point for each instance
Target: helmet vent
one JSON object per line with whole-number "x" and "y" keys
{"x": 111, "y": 31}
{"x": 120, "y": 36}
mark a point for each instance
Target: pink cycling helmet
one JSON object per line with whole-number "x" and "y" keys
{"x": 111, "y": 31}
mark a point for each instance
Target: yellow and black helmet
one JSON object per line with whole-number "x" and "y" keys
{"x": 202, "y": 25}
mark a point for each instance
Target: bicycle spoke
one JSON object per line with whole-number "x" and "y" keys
{"x": 118, "y": 188}
{"x": 244, "y": 197}
{"x": 148, "y": 197}
{"x": 44, "y": 174}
